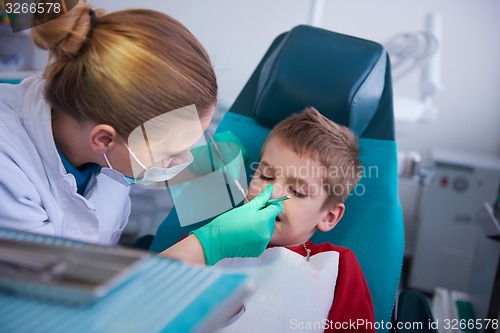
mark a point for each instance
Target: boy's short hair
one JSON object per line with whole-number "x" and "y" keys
{"x": 310, "y": 134}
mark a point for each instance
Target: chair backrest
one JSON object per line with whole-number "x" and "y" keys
{"x": 348, "y": 80}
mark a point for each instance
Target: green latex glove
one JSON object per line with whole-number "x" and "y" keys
{"x": 206, "y": 159}
{"x": 241, "y": 232}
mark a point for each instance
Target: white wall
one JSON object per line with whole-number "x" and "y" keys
{"x": 237, "y": 34}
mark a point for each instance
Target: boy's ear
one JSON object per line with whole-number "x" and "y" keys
{"x": 331, "y": 217}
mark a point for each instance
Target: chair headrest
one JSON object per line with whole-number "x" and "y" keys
{"x": 341, "y": 76}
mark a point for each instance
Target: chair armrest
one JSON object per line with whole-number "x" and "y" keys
{"x": 413, "y": 313}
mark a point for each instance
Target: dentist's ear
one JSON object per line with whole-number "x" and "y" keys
{"x": 331, "y": 217}
{"x": 102, "y": 137}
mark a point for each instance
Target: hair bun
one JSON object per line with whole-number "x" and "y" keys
{"x": 65, "y": 35}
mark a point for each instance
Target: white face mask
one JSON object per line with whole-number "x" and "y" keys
{"x": 151, "y": 175}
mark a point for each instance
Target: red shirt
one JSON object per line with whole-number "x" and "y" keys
{"x": 352, "y": 305}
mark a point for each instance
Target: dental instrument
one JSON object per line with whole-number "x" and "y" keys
{"x": 235, "y": 180}
{"x": 271, "y": 201}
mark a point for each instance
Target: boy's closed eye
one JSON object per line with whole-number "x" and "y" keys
{"x": 295, "y": 190}
{"x": 266, "y": 178}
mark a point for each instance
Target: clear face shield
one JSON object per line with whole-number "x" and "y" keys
{"x": 206, "y": 175}
{"x": 160, "y": 148}
{"x": 215, "y": 182}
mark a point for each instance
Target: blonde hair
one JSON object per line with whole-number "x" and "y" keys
{"x": 311, "y": 135}
{"x": 133, "y": 66}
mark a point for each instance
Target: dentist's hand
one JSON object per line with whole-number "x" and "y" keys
{"x": 242, "y": 232}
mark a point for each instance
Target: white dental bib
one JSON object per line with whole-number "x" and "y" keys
{"x": 291, "y": 294}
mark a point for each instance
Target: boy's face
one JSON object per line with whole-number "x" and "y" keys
{"x": 303, "y": 180}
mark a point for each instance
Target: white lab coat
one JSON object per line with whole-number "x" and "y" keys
{"x": 36, "y": 192}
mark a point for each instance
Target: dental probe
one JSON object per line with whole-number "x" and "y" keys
{"x": 271, "y": 201}
{"x": 236, "y": 182}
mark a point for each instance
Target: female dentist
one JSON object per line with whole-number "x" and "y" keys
{"x": 64, "y": 132}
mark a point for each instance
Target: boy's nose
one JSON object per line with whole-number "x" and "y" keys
{"x": 279, "y": 190}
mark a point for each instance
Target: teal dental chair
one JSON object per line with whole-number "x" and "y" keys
{"x": 348, "y": 80}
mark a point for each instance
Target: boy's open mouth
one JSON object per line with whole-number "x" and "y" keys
{"x": 278, "y": 219}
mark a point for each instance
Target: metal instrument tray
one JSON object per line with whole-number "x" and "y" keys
{"x": 70, "y": 274}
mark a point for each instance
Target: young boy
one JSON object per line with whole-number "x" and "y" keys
{"x": 301, "y": 285}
